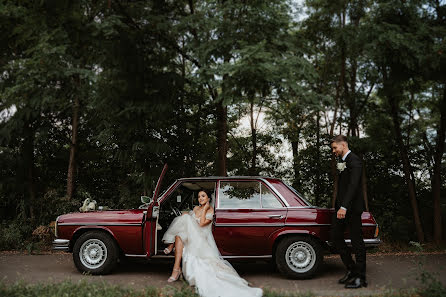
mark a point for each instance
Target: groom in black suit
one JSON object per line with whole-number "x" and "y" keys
{"x": 349, "y": 207}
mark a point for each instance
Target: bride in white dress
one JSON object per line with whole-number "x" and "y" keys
{"x": 191, "y": 237}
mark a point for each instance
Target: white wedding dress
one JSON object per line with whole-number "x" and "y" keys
{"x": 203, "y": 266}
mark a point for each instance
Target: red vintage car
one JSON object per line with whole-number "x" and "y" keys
{"x": 255, "y": 218}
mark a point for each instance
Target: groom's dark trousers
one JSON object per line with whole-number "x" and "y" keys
{"x": 350, "y": 196}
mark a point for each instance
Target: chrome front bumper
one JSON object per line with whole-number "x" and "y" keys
{"x": 61, "y": 245}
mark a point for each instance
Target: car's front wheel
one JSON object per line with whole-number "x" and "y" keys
{"x": 95, "y": 252}
{"x": 298, "y": 257}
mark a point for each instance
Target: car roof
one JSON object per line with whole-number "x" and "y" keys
{"x": 226, "y": 177}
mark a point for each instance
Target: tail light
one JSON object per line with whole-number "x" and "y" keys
{"x": 376, "y": 231}
{"x": 55, "y": 227}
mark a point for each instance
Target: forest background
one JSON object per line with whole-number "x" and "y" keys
{"x": 96, "y": 95}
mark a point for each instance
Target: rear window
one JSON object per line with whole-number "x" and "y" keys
{"x": 289, "y": 193}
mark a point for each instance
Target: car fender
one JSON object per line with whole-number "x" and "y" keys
{"x": 282, "y": 233}
{"x": 82, "y": 229}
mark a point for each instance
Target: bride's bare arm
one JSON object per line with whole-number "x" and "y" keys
{"x": 203, "y": 220}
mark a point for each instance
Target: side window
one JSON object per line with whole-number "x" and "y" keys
{"x": 185, "y": 196}
{"x": 268, "y": 198}
{"x": 182, "y": 198}
{"x": 240, "y": 194}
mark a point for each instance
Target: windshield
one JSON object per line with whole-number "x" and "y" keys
{"x": 298, "y": 194}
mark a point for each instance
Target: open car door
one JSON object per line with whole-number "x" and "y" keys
{"x": 149, "y": 231}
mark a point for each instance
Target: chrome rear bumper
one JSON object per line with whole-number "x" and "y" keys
{"x": 61, "y": 245}
{"x": 369, "y": 242}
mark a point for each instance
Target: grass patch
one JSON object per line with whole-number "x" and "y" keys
{"x": 103, "y": 289}
{"x": 86, "y": 289}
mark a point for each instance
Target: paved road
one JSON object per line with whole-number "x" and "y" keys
{"x": 384, "y": 272}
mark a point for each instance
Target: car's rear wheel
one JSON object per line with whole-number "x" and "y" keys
{"x": 95, "y": 252}
{"x": 298, "y": 257}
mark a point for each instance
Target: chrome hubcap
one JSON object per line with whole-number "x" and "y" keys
{"x": 93, "y": 253}
{"x": 300, "y": 256}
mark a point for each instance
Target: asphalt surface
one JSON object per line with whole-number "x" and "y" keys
{"x": 385, "y": 272}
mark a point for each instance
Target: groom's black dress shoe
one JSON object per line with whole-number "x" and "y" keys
{"x": 356, "y": 283}
{"x": 347, "y": 277}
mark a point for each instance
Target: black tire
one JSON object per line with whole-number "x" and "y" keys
{"x": 95, "y": 252}
{"x": 299, "y": 257}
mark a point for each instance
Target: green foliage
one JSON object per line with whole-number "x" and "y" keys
{"x": 84, "y": 288}
{"x": 431, "y": 286}
{"x": 148, "y": 76}
{"x": 15, "y": 235}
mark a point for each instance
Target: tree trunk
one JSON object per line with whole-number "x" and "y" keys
{"x": 222, "y": 129}
{"x": 436, "y": 177}
{"x": 406, "y": 166}
{"x": 222, "y": 116}
{"x": 196, "y": 136}
{"x": 145, "y": 181}
{"x": 28, "y": 152}
{"x": 317, "y": 190}
{"x": 364, "y": 183}
{"x": 295, "y": 148}
{"x": 333, "y": 158}
{"x": 253, "y": 169}
{"x": 335, "y": 180}
{"x": 73, "y": 150}
{"x": 353, "y": 125}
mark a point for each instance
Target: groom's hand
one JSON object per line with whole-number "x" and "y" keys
{"x": 341, "y": 213}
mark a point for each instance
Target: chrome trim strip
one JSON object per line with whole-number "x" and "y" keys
{"x": 315, "y": 224}
{"x": 160, "y": 256}
{"x": 307, "y": 225}
{"x": 99, "y": 224}
{"x": 249, "y": 225}
{"x": 139, "y": 256}
{"x": 249, "y": 257}
{"x": 61, "y": 245}
{"x": 369, "y": 242}
{"x": 369, "y": 225}
{"x": 275, "y": 225}
{"x": 257, "y": 208}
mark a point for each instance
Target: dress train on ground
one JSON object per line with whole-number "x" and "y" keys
{"x": 203, "y": 266}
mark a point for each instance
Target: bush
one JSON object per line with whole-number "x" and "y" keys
{"x": 431, "y": 286}
{"x": 15, "y": 235}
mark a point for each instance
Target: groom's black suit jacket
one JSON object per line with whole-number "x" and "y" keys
{"x": 350, "y": 193}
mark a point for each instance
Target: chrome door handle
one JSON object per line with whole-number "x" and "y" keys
{"x": 276, "y": 216}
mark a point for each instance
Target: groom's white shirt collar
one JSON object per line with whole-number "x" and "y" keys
{"x": 346, "y": 154}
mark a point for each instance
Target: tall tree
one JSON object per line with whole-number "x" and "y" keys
{"x": 395, "y": 68}
{"x": 435, "y": 16}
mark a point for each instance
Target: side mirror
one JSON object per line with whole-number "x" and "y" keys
{"x": 146, "y": 199}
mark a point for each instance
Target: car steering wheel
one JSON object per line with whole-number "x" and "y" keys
{"x": 176, "y": 211}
